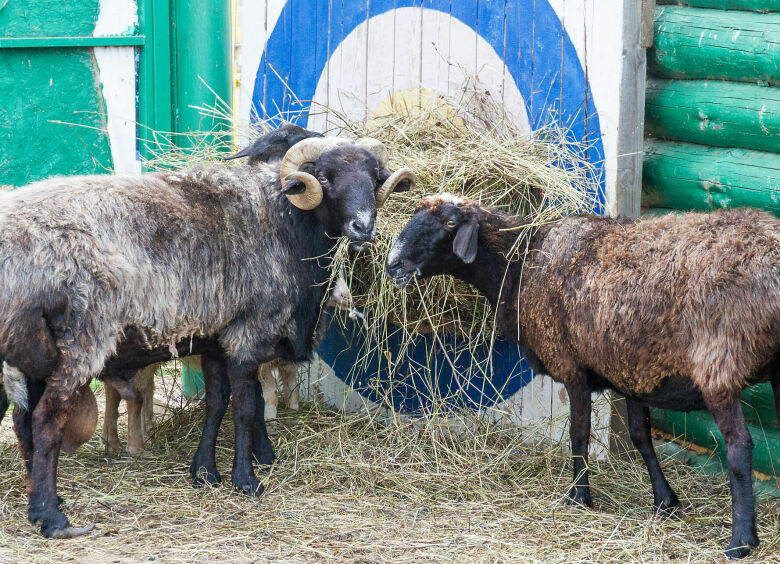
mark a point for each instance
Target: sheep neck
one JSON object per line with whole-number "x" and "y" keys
{"x": 496, "y": 268}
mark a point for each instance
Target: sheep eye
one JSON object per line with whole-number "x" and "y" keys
{"x": 323, "y": 180}
{"x": 452, "y": 224}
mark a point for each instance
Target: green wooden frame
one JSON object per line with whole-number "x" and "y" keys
{"x": 45, "y": 42}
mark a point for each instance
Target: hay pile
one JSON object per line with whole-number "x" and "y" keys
{"x": 354, "y": 489}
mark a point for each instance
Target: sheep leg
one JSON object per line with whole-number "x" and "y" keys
{"x": 739, "y": 455}
{"x": 246, "y": 389}
{"x": 135, "y": 440}
{"x": 664, "y": 498}
{"x": 289, "y": 377}
{"x": 110, "y": 435}
{"x": 24, "y": 427}
{"x": 579, "y": 429}
{"x": 262, "y": 448}
{"x": 204, "y": 467}
{"x": 3, "y": 402}
{"x": 49, "y": 419}
{"x": 268, "y": 384}
{"x": 147, "y": 407}
{"x": 776, "y": 390}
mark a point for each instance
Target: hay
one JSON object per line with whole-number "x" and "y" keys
{"x": 352, "y": 489}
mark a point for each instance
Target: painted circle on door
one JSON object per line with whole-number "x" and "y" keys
{"x": 339, "y": 55}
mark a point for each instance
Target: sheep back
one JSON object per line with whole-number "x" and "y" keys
{"x": 639, "y": 301}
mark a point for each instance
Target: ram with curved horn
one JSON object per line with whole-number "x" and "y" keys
{"x": 223, "y": 257}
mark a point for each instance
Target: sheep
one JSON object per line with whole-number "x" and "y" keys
{"x": 269, "y": 147}
{"x": 138, "y": 389}
{"x": 140, "y": 410}
{"x": 679, "y": 312}
{"x": 233, "y": 259}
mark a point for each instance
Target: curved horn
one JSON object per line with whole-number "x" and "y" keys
{"x": 308, "y": 150}
{"x": 389, "y": 185}
{"x": 311, "y": 197}
{"x": 376, "y": 147}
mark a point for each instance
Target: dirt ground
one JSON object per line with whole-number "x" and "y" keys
{"x": 355, "y": 490}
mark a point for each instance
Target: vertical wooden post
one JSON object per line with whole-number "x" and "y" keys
{"x": 632, "y": 113}
{"x": 631, "y": 132}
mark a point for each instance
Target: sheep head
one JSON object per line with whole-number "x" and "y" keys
{"x": 344, "y": 182}
{"x": 441, "y": 237}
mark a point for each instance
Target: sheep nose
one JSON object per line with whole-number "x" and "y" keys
{"x": 360, "y": 227}
{"x": 394, "y": 264}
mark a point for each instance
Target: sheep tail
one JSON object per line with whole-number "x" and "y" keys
{"x": 15, "y": 383}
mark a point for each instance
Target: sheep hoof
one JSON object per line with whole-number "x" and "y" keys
{"x": 134, "y": 450}
{"x": 251, "y": 487}
{"x": 206, "y": 478}
{"x": 113, "y": 448}
{"x": 579, "y": 495}
{"x": 666, "y": 508}
{"x": 740, "y": 547}
{"x": 71, "y": 532}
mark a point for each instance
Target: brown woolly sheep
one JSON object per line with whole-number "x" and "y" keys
{"x": 679, "y": 312}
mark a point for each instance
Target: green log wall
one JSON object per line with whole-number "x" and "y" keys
{"x": 696, "y": 43}
{"x": 750, "y": 5}
{"x": 714, "y": 112}
{"x": 712, "y": 122}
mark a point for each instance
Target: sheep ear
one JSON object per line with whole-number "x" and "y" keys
{"x": 465, "y": 243}
{"x": 296, "y": 186}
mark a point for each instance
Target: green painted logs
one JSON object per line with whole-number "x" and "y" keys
{"x": 752, "y": 5}
{"x": 758, "y": 405}
{"x": 696, "y": 43}
{"x": 699, "y": 428}
{"x": 695, "y": 177}
{"x": 721, "y": 114}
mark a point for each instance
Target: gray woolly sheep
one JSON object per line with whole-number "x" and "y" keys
{"x": 235, "y": 257}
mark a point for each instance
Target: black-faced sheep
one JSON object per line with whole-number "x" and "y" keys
{"x": 679, "y": 312}
{"x": 235, "y": 256}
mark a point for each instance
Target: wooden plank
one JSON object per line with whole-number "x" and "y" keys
{"x": 753, "y": 5}
{"x": 383, "y": 38}
{"x": 302, "y": 64}
{"x": 722, "y": 114}
{"x": 696, "y": 177}
{"x": 648, "y": 19}
{"x": 696, "y": 43}
{"x": 628, "y": 192}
